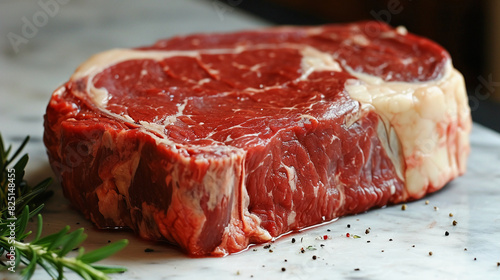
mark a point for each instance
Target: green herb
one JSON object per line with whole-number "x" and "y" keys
{"x": 50, "y": 252}
{"x": 14, "y": 176}
{"x": 356, "y": 236}
{"x": 311, "y": 248}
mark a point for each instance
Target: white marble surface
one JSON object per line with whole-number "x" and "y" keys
{"x": 81, "y": 28}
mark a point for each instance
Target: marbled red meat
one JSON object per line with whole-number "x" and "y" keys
{"x": 216, "y": 141}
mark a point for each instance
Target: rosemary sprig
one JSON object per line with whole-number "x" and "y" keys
{"x": 24, "y": 193}
{"x": 50, "y": 252}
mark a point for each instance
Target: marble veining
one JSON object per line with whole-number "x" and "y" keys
{"x": 397, "y": 243}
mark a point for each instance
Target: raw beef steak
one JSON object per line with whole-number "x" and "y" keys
{"x": 217, "y": 141}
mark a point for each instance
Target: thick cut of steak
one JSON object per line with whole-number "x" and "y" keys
{"x": 217, "y": 141}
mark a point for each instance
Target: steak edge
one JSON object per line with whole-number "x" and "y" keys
{"x": 213, "y": 142}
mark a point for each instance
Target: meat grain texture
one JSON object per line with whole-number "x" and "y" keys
{"x": 216, "y": 141}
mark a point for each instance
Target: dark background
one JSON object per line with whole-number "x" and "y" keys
{"x": 463, "y": 27}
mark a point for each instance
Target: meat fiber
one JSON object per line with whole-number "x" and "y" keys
{"x": 216, "y": 141}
